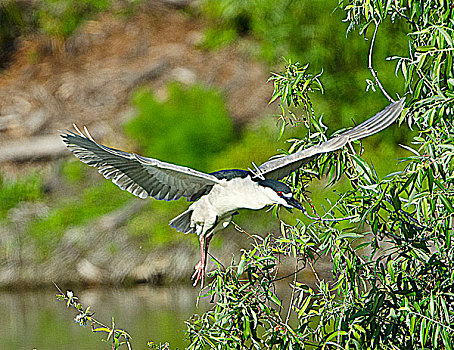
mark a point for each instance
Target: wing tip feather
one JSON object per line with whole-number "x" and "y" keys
{"x": 369, "y": 127}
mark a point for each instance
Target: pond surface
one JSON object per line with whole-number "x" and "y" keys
{"x": 37, "y": 320}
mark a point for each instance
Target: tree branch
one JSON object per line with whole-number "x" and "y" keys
{"x": 373, "y": 72}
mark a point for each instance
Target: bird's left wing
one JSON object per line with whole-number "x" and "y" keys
{"x": 279, "y": 168}
{"x": 143, "y": 177}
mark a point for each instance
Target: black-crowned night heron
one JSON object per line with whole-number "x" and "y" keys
{"x": 216, "y": 196}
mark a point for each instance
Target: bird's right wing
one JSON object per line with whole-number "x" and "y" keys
{"x": 143, "y": 177}
{"x": 279, "y": 168}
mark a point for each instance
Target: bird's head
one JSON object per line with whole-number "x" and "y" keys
{"x": 280, "y": 193}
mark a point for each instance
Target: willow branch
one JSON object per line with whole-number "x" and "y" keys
{"x": 372, "y": 71}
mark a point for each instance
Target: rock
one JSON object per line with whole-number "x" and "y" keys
{"x": 89, "y": 272}
{"x": 6, "y": 121}
{"x": 24, "y": 212}
{"x": 183, "y": 75}
{"x": 36, "y": 121}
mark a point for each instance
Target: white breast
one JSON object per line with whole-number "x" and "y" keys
{"x": 225, "y": 198}
{"x": 240, "y": 193}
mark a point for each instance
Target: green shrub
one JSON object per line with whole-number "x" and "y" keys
{"x": 281, "y": 27}
{"x": 12, "y": 24}
{"x": 187, "y": 129}
{"x": 12, "y": 193}
{"x": 92, "y": 203}
{"x": 74, "y": 171}
{"x": 60, "y": 18}
{"x": 151, "y": 226}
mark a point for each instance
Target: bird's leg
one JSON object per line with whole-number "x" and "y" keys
{"x": 199, "y": 273}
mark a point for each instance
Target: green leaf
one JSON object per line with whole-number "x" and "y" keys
{"x": 275, "y": 96}
{"x": 281, "y": 130}
{"x": 241, "y": 266}
{"x": 246, "y": 327}
{"x": 335, "y": 334}
{"x": 448, "y": 238}
{"x": 304, "y": 306}
{"x": 350, "y": 235}
{"x": 391, "y": 270}
{"x": 447, "y": 203}
{"x": 275, "y": 299}
{"x": 425, "y": 48}
{"x": 412, "y": 324}
{"x": 431, "y": 305}
{"x": 451, "y": 82}
{"x": 423, "y": 333}
{"x": 445, "y": 309}
{"x": 446, "y": 36}
{"x": 447, "y": 342}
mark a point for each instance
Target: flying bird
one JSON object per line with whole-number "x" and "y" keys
{"x": 216, "y": 196}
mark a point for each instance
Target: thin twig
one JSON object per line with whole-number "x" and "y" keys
{"x": 238, "y": 228}
{"x": 293, "y": 293}
{"x": 315, "y": 272}
{"x": 213, "y": 257}
{"x": 289, "y": 275}
{"x": 373, "y": 72}
{"x": 414, "y": 24}
{"x": 319, "y": 218}
{"x": 72, "y": 301}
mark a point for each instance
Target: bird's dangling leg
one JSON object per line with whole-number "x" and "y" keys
{"x": 199, "y": 273}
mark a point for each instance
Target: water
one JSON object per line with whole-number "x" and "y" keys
{"x": 36, "y": 320}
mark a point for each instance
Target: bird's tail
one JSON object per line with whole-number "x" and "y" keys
{"x": 182, "y": 222}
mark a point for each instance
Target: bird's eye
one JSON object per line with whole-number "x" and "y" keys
{"x": 279, "y": 193}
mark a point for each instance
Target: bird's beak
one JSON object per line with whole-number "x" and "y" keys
{"x": 294, "y": 203}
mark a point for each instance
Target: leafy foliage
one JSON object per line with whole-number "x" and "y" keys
{"x": 12, "y": 23}
{"x": 293, "y": 88}
{"x": 60, "y": 18}
{"x": 204, "y": 127}
{"x": 13, "y": 192}
{"x": 311, "y": 31}
{"x": 275, "y": 23}
{"x": 247, "y": 313}
{"x": 428, "y": 68}
{"x": 389, "y": 238}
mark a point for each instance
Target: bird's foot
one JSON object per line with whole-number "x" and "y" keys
{"x": 199, "y": 274}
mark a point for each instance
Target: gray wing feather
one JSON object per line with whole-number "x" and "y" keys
{"x": 281, "y": 167}
{"x": 143, "y": 177}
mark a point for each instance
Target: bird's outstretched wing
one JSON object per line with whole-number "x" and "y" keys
{"x": 281, "y": 167}
{"x": 143, "y": 177}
